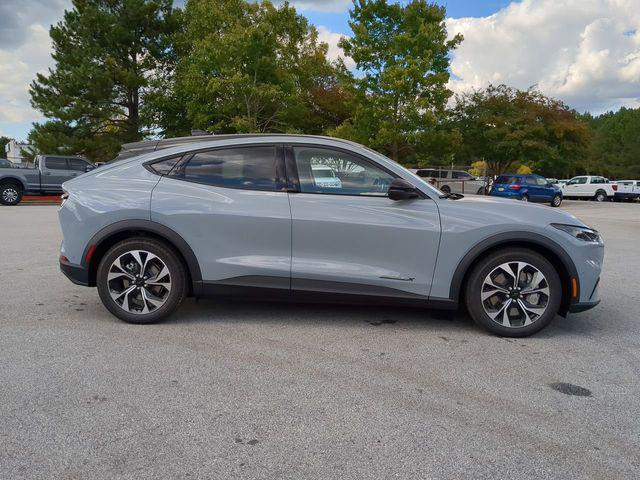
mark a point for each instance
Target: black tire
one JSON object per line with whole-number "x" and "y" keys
{"x": 600, "y": 196}
{"x": 524, "y": 198}
{"x": 481, "y": 191}
{"x": 557, "y": 200}
{"x": 445, "y": 189}
{"x": 177, "y": 277}
{"x": 475, "y": 284}
{"x": 10, "y": 193}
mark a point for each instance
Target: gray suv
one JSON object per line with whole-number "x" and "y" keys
{"x": 246, "y": 216}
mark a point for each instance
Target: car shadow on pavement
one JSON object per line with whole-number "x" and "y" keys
{"x": 317, "y": 314}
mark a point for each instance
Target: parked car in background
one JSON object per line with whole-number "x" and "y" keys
{"x": 553, "y": 181}
{"x": 242, "y": 216}
{"x": 528, "y": 188}
{"x": 452, "y": 181}
{"x": 627, "y": 190}
{"x": 47, "y": 176}
{"x": 4, "y": 163}
{"x": 324, "y": 176}
{"x": 590, "y": 187}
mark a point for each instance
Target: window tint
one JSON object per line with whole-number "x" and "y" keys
{"x": 55, "y": 163}
{"x": 597, "y": 180}
{"x": 77, "y": 164}
{"x": 530, "y": 181}
{"x": 461, "y": 175}
{"x": 353, "y": 176}
{"x": 505, "y": 179}
{"x": 5, "y": 163}
{"x": 163, "y": 167}
{"x": 577, "y": 180}
{"x": 252, "y": 168}
{"x": 542, "y": 182}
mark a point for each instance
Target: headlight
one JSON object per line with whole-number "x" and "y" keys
{"x": 583, "y": 233}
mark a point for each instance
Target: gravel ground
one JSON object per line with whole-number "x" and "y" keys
{"x": 256, "y": 390}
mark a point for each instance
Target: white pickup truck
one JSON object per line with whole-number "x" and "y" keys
{"x": 590, "y": 186}
{"x": 628, "y": 190}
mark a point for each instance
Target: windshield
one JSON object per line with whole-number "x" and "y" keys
{"x": 5, "y": 163}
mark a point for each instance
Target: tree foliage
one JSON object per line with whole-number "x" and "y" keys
{"x": 402, "y": 51}
{"x": 250, "y": 67}
{"x": 508, "y": 127}
{"x": 104, "y": 53}
{"x": 615, "y": 151}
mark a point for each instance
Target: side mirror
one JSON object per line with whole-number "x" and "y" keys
{"x": 400, "y": 189}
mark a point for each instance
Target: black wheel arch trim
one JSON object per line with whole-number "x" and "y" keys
{"x": 502, "y": 239}
{"x": 152, "y": 227}
{"x": 10, "y": 179}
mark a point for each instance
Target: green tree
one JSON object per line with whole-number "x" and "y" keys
{"x": 105, "y": 52}
{"x": 615, "y": 151}
{"x": 508, "y": 128}
{"x": 402, "y": 52}
{"x": 249, "y": 67}
{"x": 3, "y": 142}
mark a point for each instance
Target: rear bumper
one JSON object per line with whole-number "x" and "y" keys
{"x": 626, "y": 195}
{"x": 76, "y": 273}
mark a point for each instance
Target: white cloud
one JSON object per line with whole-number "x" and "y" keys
{"x": 18, "y": 67}
{"x": 322, "y": 5}
{"x": 334, "y": 52}
{"x": 585, "y": 52}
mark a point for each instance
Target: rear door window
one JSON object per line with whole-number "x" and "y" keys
{"x": 56, "y": 163}
{"x": 250, "y": 168}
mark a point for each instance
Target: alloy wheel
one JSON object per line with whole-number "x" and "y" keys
{"x": 10, "y": 195}
{"x": 515, "y": 294}
{"x": 139, "y": 282}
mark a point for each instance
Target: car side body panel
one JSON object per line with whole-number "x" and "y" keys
{"x": 102, "y": 198}
{"x": 364, "y": 240}
{"x": 233, "y": 232}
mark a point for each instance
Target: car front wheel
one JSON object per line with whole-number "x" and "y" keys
{"x": 141, "y": 280}
{"x": 513, "y": 293}
{"x": 557, "y": 200}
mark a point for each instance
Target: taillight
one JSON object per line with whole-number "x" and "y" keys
{"x": 515, "y": 187}
{"x": 615, "y": 187}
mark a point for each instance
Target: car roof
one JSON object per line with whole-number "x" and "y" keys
{"x": 145, "y": 146}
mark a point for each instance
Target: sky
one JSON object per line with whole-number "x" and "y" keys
{"x": 584, "y": 52}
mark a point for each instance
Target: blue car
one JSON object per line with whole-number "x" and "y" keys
{"x": 528, "y": 188}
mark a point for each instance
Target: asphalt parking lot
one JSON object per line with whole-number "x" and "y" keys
{"x": 257, "y": 390}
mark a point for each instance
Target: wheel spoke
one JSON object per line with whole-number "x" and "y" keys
{"x": 148, "y": 295}
{"x": 524, "y": 294}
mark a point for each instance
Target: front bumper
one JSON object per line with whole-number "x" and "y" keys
{"x": 76, "y": 273}
{"x": 582, "y": 306}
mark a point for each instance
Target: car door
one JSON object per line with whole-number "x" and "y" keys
{"x": 230, "y": 205}
{"x": 544, "y": 190}
{"x": 55, "y": 172}
{"x": 353, "y": 239}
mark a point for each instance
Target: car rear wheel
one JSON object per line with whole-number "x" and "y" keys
{"x": 141, "y": 280}
{"x": 10, "y": 193}
{"x": 513, "y": 293}
{"x": 557, "y": 200}
{"x": 600, "y": 196}
{"x": 524, "y": 198}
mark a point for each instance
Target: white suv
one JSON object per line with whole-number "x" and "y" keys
{"x": 456, "y": 181}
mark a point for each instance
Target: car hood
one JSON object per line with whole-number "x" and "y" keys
{"x": 504, "y": 212}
